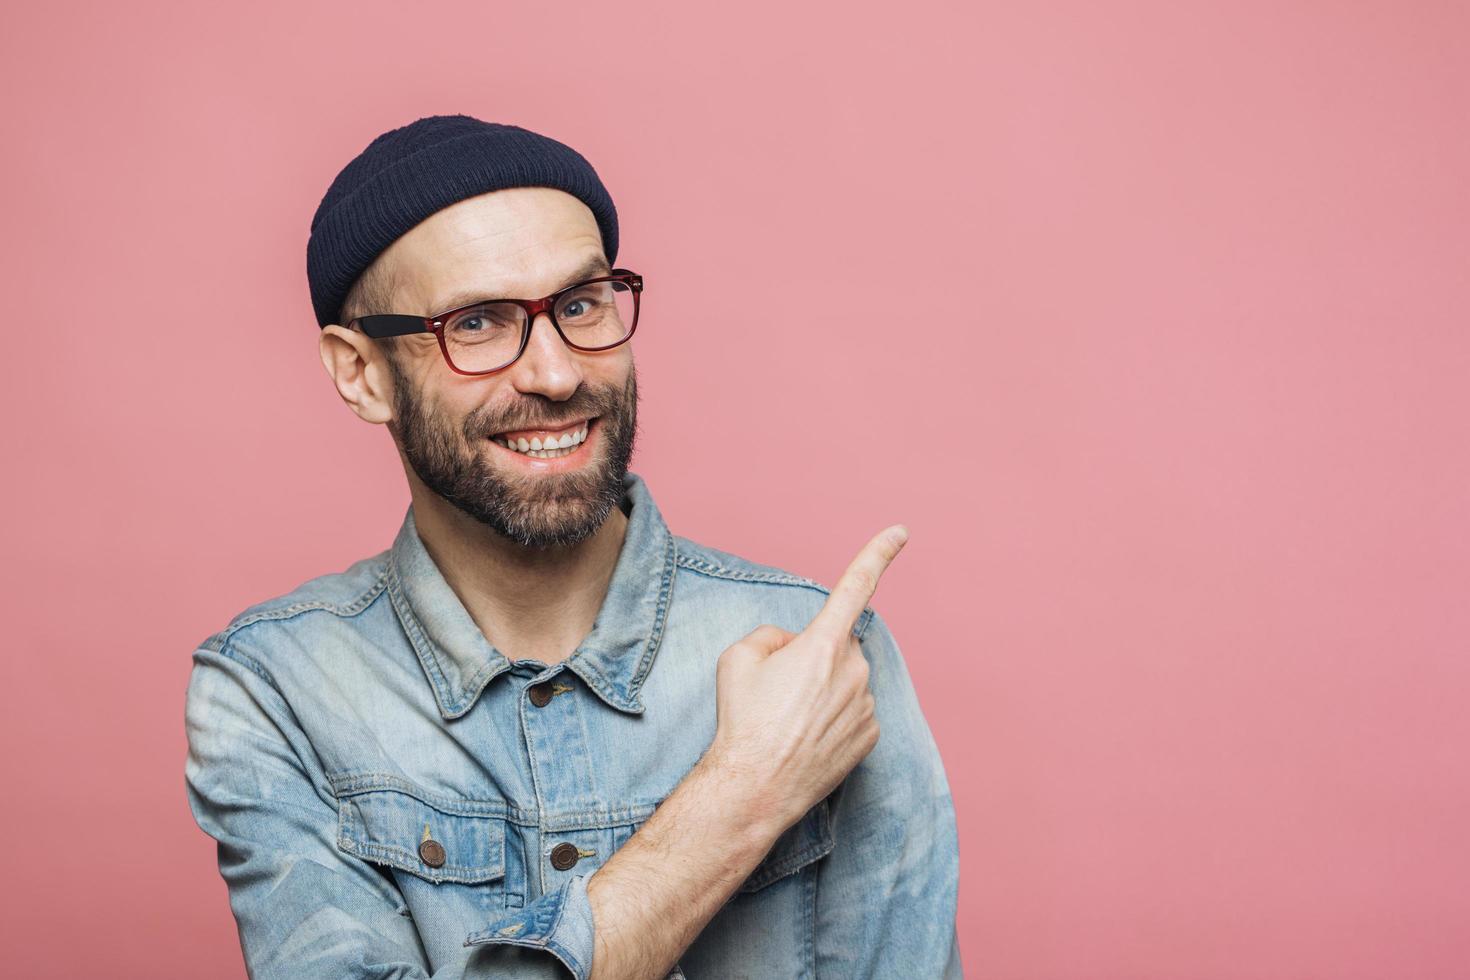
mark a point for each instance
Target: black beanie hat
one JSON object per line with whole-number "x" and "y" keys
{"x": 408, "y": 173}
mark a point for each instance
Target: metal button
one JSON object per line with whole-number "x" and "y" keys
{"x": 432, "y": 852}
{"x": 541, "y": 694}
{"x": 563, "y": 856}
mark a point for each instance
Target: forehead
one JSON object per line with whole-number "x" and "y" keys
{"x": 521, "y": 241}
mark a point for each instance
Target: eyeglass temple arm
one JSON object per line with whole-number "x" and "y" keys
{"x": 392, "y": 324}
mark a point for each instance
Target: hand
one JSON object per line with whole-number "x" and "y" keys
{"x": 795, "y": 714}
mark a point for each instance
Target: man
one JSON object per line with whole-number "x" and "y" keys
{"x": 541, "y": 735}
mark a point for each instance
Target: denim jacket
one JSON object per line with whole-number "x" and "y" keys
{"x": 394, "y": 797}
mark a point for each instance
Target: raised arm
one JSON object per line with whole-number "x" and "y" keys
{"x": 794, "y": 716}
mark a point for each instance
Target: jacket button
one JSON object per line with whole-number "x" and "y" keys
{"x": 541, "y": 694}
{"x": 563, "y": 856}
{"x": 432, "y": 853}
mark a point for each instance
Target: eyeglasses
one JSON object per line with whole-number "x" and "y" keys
{"x": 488, "y": 336}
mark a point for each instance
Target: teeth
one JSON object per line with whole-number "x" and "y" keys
{"x": 552, "y": 448}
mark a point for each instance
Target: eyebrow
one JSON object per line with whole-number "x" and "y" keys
{"x": 592, "y": 267}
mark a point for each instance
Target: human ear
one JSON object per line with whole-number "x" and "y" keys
{"x": 356, "y": 367}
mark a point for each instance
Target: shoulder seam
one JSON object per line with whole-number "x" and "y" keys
{"x": 771, "y": 578}
{"x": 712, "y": 570}
{"x": 343, "y": 610}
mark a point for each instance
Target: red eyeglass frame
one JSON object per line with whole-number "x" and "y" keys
{"x": 399, "y": 324}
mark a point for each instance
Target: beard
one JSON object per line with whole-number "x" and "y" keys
{"x": 539, "y": 512}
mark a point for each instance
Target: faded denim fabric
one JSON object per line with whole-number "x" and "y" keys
{"x": 333, "y": 729}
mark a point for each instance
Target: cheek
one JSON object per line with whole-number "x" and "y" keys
{"x": 447, "y": 417}
{"x": 617, "y": 376}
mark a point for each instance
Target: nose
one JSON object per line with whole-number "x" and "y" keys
{"x": 547, "y": 366}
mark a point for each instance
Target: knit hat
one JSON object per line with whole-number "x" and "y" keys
{"x": 408, "y": 173}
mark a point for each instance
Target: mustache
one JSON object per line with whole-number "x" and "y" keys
{"x": 480, "y": 428}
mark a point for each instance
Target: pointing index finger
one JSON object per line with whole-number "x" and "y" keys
{"x": 855, "y": 589}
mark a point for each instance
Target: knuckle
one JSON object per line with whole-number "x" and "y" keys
{"x": 763, "y": 637}
{"x": 733, "y": 654}
{"x": 863, "y": 581}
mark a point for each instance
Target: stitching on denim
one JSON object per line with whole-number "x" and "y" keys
{"x": 365, "y": 846}
{"x": 660, "y": 618}
{"x": 634, "y": 814}
{"x": 600, "y": 682}
{"x": 743, "y": 575}
{"x": 346, "y": 611}
{"x": 251, "y": 665}
{"x": 521, "y": 700}
{"x": 566, "y": 956}
{"x": 476, "y": 684}
{"x": 356, "y": 784}
{"x": 809, "y": 934}
{"x": 797, "y": 859}
{"x": 400, "y": 858}
{"x": 561, "y": 910}
{"x": 449, "y": 706}
{"x": 463, "y": 874}
{"x": 561, "y": 952}
{"x": 545, "y": 939}
{"x": 422, "y": 648}
{"x": 800, "y": 858}
{"x": 596, "y": 680}
{"x": 344, "y": 784}
{"x": 314, "y": 763}
{"x": 702, "y": 567}
{"x": 770, "y": 871}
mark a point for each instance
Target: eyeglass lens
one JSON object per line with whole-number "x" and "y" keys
{"x": 487, "y": 336}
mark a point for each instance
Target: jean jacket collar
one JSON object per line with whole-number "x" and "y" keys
{"x": 614, "y": 659}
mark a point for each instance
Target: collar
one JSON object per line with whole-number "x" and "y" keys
{"x": 614, "y": 659}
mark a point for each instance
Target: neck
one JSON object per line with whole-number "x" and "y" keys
{"x": 531, "y": 605}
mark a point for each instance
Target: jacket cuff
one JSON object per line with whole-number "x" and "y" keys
{"x": 559, "y": 922}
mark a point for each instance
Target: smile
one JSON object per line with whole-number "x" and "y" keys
{"x": 543, "y": 444}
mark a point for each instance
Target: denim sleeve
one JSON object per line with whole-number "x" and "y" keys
{"x": 887, "y": 894}
{"x": 305, "y": 908}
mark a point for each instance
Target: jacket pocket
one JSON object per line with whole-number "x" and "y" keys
{"x": 804, "y": 842}
{"x": 438, "y": 843}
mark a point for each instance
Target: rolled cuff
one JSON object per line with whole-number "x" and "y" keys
{"x": 559, "y": 922}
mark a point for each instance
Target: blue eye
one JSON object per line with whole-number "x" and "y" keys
{"x": 489, "y": 320}
{"x": 586, "y": 303}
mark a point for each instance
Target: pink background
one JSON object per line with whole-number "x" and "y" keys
{"x": 1149, "y": 319}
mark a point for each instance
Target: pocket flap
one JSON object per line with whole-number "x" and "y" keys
{"x": 800, "y": 844}
{"x": 387, "y": 827}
